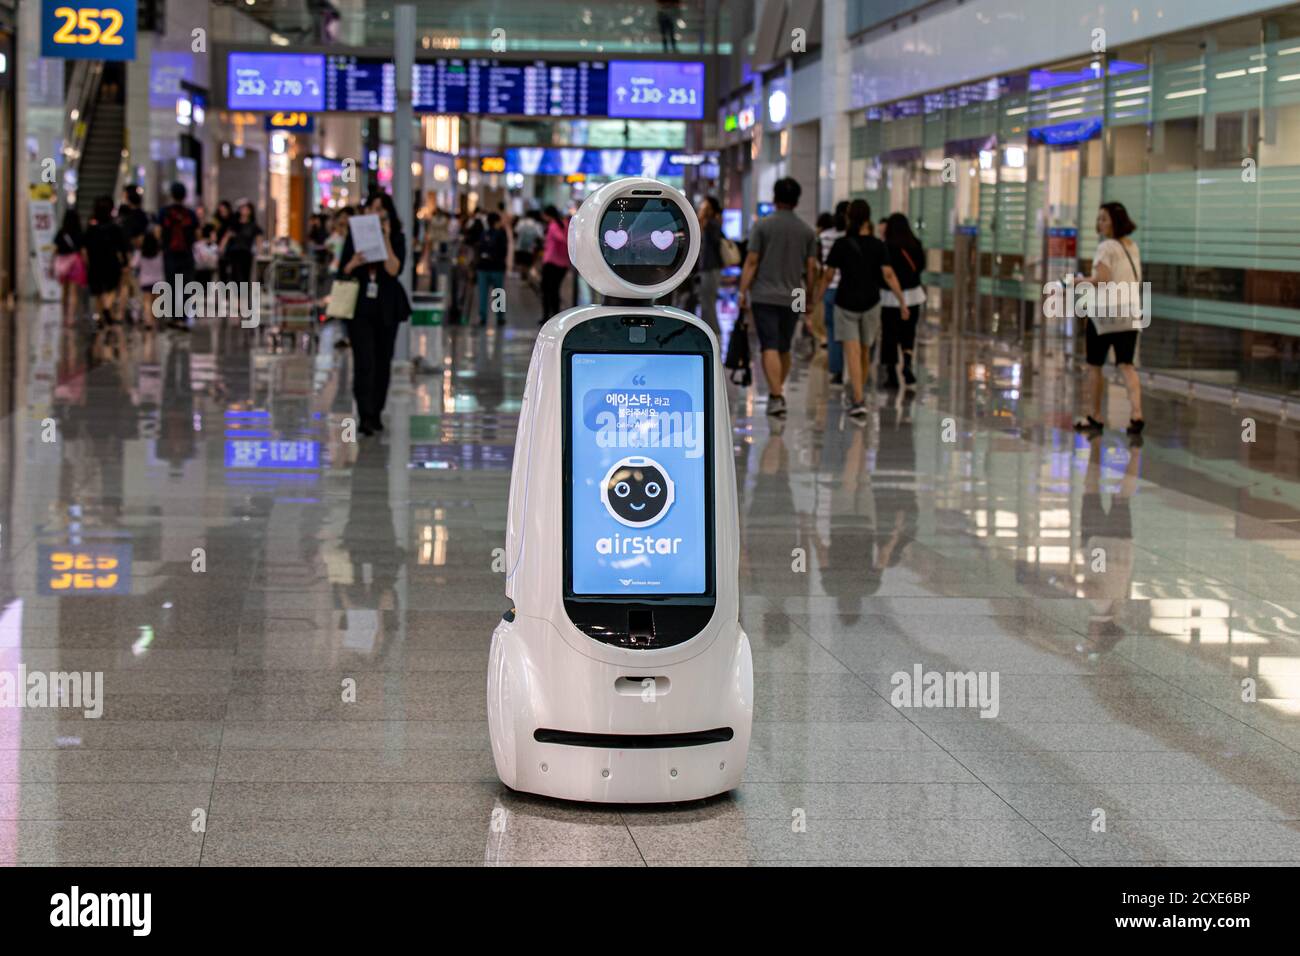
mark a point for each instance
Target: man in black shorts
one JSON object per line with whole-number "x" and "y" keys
{"x": 778, "y": 278}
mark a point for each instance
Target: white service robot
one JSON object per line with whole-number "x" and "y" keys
{"x": 621, "y": 673}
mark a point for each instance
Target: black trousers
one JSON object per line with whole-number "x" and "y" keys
{"x": 552, "y": 280}
{"x": 239, "y": 265}
{"x": 896, "y": 334}
{"x": 373, "y": 339}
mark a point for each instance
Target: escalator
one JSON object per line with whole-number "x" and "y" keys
{"x": 95, "y": 131}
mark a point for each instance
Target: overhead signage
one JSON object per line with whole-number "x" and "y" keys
{"x": 105, "y": 31}
{"x": 275, "y": 81}
{"x": 557, "y": 161}
{"x": 621, "y": 89}
{"x": 656, "y": 90}
{"x": 291, "y": 122}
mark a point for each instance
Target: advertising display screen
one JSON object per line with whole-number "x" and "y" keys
{"x": 636, "y": 457}
{"x": 646, "y": 89}
{"x": 275, "y": 81}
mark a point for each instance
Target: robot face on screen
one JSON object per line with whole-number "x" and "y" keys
{"x": 637, "y": 492}
{"x": 635, "y": 239}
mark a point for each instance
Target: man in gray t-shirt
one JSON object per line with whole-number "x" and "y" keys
{"x": 782, "y": 259}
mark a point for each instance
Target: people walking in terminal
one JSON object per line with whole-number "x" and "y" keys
{"x": 148, "y": 263}
{"x": 223, "y": 218}
{"x": 382, "y": 306}
{"x": 493, "y": 251}
{"x": 555, "y": 261}
{"x": 240, "y": 244}
{"x": 180, "y": 229}
{"x": 780, "y": 270}
{"x": 528, "y": 237}
{"x": 897, "y": 334}
{"x": 134, "y": 221}
{"x": 710, "y": 261}
{"x": 70, "y": 262}
{"x": 106, "y": 256}
{"x": 207, "y": 254}
{"x": 1117, "y": 259}
{"x": 862, "y": 262}
{"x": 830, "y": 228}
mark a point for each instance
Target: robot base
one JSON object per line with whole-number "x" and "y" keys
{"x": 687, "y": 733}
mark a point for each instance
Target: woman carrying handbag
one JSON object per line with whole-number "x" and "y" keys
{"x": 380, "y": 307}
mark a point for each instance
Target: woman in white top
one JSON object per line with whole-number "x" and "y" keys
{"x": 1116, "y": 261}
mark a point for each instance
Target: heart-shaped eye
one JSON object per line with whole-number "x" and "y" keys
{"x": 616, "y": 239}
{"x": 662, "y": 238}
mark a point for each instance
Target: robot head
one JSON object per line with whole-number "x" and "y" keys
{"x": 634, "y": 238}
{"x": 637, "y": 491}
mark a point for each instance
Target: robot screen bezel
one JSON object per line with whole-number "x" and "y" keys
{"x": 604, "y": 617}
{"x": 587, "y": 250}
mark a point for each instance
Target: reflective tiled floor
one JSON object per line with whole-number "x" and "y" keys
{"x": 293, "y": 629}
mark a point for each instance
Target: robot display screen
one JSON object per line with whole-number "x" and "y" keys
{"x": 645, "y": 241}
{"x": 637, "y": 460}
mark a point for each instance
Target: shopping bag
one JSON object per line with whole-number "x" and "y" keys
{"x": 737, "y": 360}
{"x": 343, "y": 299}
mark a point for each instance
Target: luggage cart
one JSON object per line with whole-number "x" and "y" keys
{"x": 428, "y": 310}
{"x": 292, "y": 289}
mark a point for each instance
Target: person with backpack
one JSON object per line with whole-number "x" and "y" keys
{"x": 493, "y": 252}
{"x": 179, "y": 229}
{"x": 862, "y": 262}
{"x": 907, "y": 259}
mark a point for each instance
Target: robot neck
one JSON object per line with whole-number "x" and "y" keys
{"x": 619, "y": 300}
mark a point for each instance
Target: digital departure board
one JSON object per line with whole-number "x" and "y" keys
{"x": 275, "y": 81}
{"x": 349, "y": 84}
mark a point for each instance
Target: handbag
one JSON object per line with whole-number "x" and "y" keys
{"x": 728, "y": 252}
{"x": 737, "y": 360}
{"x": 342, "y": 302}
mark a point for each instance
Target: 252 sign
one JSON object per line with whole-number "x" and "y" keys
{"x": 105, "y": 31}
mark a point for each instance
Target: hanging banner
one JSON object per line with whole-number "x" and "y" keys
{"x": 41, "y": 218}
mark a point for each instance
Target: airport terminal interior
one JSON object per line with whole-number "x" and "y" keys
{"x": 273, "y": 589}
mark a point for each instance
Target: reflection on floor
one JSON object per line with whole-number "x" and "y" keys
{"x": 292, "y": 629}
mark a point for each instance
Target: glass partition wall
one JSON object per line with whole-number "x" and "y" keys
{"x": 1198, "y": 135}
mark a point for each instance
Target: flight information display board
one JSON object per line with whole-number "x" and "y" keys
{"x": 275, "y": 81}
{"x": 618, "y": 88}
